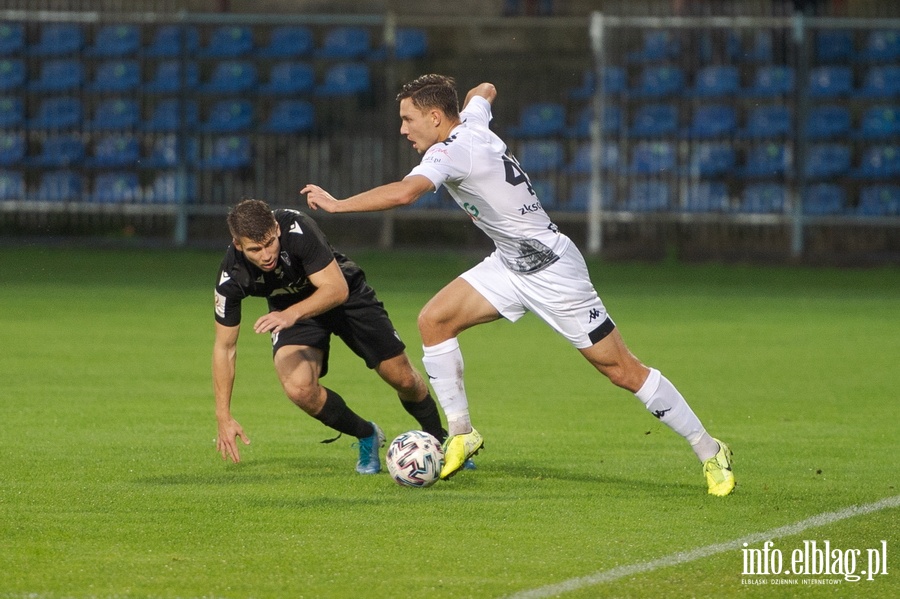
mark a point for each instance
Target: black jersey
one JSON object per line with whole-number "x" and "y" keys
{"x": 304, "y": 250}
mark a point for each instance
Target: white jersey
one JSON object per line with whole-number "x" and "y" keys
{"x": 487, "y": 182}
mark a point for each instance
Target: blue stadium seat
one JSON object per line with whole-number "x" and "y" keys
{"x": 767, "y": 122}
{"x": 711, "y": 121}
{"x": 881, "y": 81}
{"x": 228, "y": 116}
{"x": 581, "y": 163}
{"x": 659, "y": 82}
{"x": 228, "y": 41}
{"x": 879, "y": 162}
{"x": 648, "y": 196}
{"x": 657, "y": 46}
{"x": 12, "y": 38}
{"x": 290, "y": 78}
{"x": 116, "y": 188}
{"x": 116, "y": 76}
{"x": 834, "y": 46}
{"x": 58, "y": 39}
{"x": 540, "y": 156}
{"x": 830, "y": 82}
{"x": 580, "y": 196}
{"x": 12, "y": 186}
{"x": 58, "y": 76}
{"x": 345, "y": 79}
{"x": 879, "y": 122}
{"x": 654, "y": 120}
{"x": 59, "y": 186}
{"x": 881, "y": 46}
{"x": 12, "y": 74}
{"x": 12, "y": 113}
{"x": 228, "y": 153}
{"x": 409, "y": 43}
{"x": 879, "y": 200}
{"x": 57, "y": 113}
{"x": 170, "y": 114}
{"x": 765, "y": 160}
{"x": 231, "y": 77}
{"x": 345, "y": 43}
{"x": 581, "y": 128}
{"x": 288, "y": 41}
{"x": 763, "y": 198}
{"x": 115, "y": 41}
{"x": 169, "y": 41}
{"x": 290, "y": 116}
{"x": 716, "y": 81}
{"x": 114, "y": 151}
{"x": 707, "y": 196}
{"x": 115, "y": 114}
{"x": 761, "y": 49}
{"x": 172, "y": 188}
{"x": 711, "y": 159}
{"x": 541, "y": 119}
{"x": 652, "y": 158}
{"x": 545, "y": 192}
{"x": 828, "y": 122}
{"x": 824, "y": 199}
{"x": 615, "y": 81}
{"x": 772, "y": 81}
{"x": 825, "y": 161}
{"x": 12, "y": 148}
{"x": 167, "y": 154}
{"x": 168, "y": 77}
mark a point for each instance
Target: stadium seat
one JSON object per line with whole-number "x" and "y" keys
{"x": 60, "y": 75}
{"x": 707, "y": 196}
{"x": 59, "y": 186}
{"x": 172, "y": 188}
{"x": 834, "y": 46}
{"x": 290, "y": 78}
{"x": 827, "y": 122}
{"x": 823, "y": 199}
{"x": 115, "y": 41}
{"x": 12, "y": 113}
{"x": 230, "y": 77}
{"x": 345, "y": 43}
{"x": 12, "y": 186}
{"x": 345, "y": 79}
{"x": 657, "y": 46}
{"x": 659, "y": 82}
{"x": 116, "y": 76}
{"x": 116, "y": 188}
{"x": 228, "y": 41}
{"x": 171, "y": 114}
{"x": 765, "y": 160}
{"x": 228, "y": 116}
{"x": 581, "y": 128}
{"x": 290, "y": 116}
{"x": 652, "y": 158}
{"x": 228, "y": 153}
{"x": 879, "y": 200}
{"x": 540, "y": 156}
{"x": 168, "y": 77}
{"x": 771, "y": 81}
{"x": 761, "y": 49}
{"x": 879, "y": 162}
{"x": 830, "y": 82}
{"x": 710, "y": 121}
{"x": 580, "y": 196}
{"x": 647, "y": 196}
{"x": 58, "y": 39}
{"x": 581, "y": 163}
{"x": 114, "y": 151}
{"x": 12, "y": 74}
{"x": 169, "y": 41}
{"x": 545, "y": 192}
{"x": 115, "y": 114}
{"x": 409, "y": 43}
{"x": 718, "y": 81}
{"x": 763, "y": 198}
{"x": 288, "y": 41}
{"x": 57, "y": 113}
{"x": 654, "y": 120}
{"x": 711, "y": 159}
{"x": 167, "y": 154}
{"x": 824, "y": 161}
{"x": 12, "y": 38}
{"x": 541, "y": 119}
{"x": 12, "y": 148}
{"x": 615, "y": 81}
{"x": 879, "y": 122}
{"x": 881, "y": 82}
{"x": 881, "y": 46}
{"x": 767, "y": 122}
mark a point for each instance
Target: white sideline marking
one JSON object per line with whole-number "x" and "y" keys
{"x": 574, "y": 584}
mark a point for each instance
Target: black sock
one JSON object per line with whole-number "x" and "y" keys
{"x": 426, "y": 414}
{"x": 338, "y": 415}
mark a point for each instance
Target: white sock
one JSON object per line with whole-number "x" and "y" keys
{"x": 444, "y": 365}
{"x": 664, "y": 401}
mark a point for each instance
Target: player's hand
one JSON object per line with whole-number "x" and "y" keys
{"x": 226, "y": 441}
{"x": 274, "y": 322}
{"x": 316, "y": 198}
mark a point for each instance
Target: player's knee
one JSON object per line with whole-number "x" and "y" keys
{"x": 305, "y": 396}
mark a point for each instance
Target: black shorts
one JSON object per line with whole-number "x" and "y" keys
{"x": 361, "y": 322}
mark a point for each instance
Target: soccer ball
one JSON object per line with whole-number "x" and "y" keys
{"x": 414, "y": 459}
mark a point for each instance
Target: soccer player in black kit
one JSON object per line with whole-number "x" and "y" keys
{"x": 312, "y": 293}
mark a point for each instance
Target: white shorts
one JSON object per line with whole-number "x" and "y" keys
{"x": 562, "y": 295}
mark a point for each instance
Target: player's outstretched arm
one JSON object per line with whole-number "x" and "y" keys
{"x": 223, "y": 367}
{"x": 485, "y": 90}
{"x": 330, "y": 291}
{"x": 384, "y": 197}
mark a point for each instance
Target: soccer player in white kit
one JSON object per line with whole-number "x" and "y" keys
{"x": 534, "y": 268}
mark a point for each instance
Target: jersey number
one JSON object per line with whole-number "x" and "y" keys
{"x": 514, "y": 173}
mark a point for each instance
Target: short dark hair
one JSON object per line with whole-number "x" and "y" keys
{"x": 432, "y": 91}
{"x": 252, "y": 219}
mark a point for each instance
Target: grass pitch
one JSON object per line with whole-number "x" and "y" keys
{"x": 111, "y": 486}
